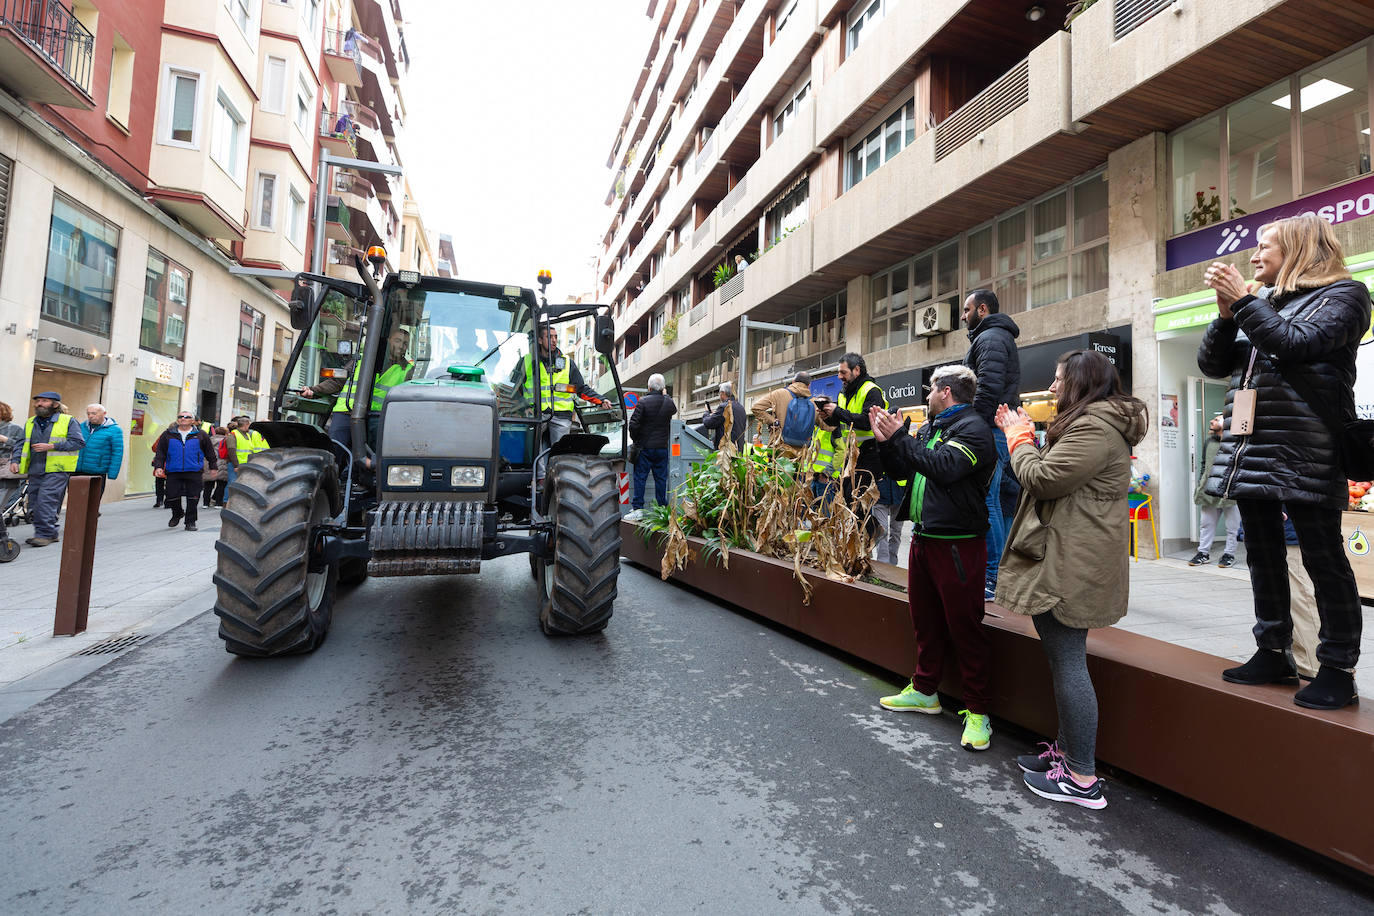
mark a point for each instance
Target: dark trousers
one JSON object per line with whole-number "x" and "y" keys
{"x": 212, "y": 492}
{"x": 655, "y": 460}
{"x": 45, "y": 501}
{"x": 184, "y": 484}
{"x": 945, "y": 593}
{"x": 1323, "y": 556}
{"x": 340, "y": 429}
{"x": 160, "y": 489}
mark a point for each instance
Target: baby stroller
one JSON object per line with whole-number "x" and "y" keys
{"x": 9, "y": 547}
{"x": 14, "y": 504}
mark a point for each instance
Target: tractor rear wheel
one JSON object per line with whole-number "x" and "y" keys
{"x": 269, "y": 601}
{"x": 579, "y": 581}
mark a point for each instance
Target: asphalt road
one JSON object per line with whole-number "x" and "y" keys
{"x": 438, "y": 754}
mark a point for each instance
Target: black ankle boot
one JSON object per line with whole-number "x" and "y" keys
{"x": 1266, "y": 666}
{"x": 1332, "y": 688}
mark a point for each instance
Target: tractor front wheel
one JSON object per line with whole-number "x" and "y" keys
{"x": 579, "y": 582}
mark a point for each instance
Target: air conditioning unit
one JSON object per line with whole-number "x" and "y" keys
{"x": 934, "y": 319}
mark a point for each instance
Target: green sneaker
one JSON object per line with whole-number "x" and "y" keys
{"x": 977, "y": 731}
{"x": 912, "y": 700}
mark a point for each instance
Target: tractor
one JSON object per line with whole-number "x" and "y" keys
{"x": 455, "y": 457}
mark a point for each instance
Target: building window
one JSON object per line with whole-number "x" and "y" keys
{"x": 274, "y": 85}
{"x": 241, "y": 12}
{"x": 865, "y": 15}
{"x": 819, "y": 342}
{"x": 310, "y": 12}
{"x": 265, "y": 201}
{"x": 166, "y": 285}
{"x": 881, "y": 143}
{"x": 789, "y": 108}
{"x": 281, "y": 352}
{"x": 121, "y": 81}
{"x": 227, "y": 144}
{"x": 182, "y": 89}
{"x": 786, "y": 214}
{"x": 248, "y": 365}
{"x": 295, "y": 226}
{"x": 1268, "y": 164}
{"x": 79, "y": 282}
{"x": 305, "y": 100}
{"x": 656, "y": 321}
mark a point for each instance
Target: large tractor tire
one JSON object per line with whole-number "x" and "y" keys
{"x": 269, "y": 602}
{"x": 352, "y": 572}
{"x": 579, "y": 582}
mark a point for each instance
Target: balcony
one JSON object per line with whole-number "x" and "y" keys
{"x": 45, "y": 53}
{"x": 342, "y": 57}
{"x": 338, "y": 133}
{"x": 337, "y": 218}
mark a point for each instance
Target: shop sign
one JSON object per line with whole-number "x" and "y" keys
{"x": 154, "y": 367}
{"x": 70, "y": 348}
{"x": 1336, "y": 206}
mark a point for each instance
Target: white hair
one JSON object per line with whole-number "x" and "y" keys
{"x": 656, "y": 382}
{"x": 727, "y": 387}
{"x": 99, "y": 407}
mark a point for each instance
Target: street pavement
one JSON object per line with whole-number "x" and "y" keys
{"x": 439, "y": 755}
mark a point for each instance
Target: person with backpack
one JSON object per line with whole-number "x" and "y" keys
{"x": 212, "y": 490}
{"x": 789, "y": 416}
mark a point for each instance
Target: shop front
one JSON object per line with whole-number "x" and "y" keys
{"x": 157, "y": 396}
{"x": 71, "y": 362}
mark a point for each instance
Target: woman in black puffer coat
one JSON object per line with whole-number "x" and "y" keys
{"x": 1307, "y": 321}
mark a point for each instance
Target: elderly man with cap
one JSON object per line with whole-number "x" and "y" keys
{"x": 48, "y": 455}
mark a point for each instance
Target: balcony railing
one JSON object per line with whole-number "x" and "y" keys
{"x": 1130, "y": 13}
{"x": 1009, "y": 92}
{"x": 340, "y": 127}
{"x": 362, "y": 114}
{"x": 337, "y": 45}
{"x": 732, "y": 287}
{"x": 54, "y": 32}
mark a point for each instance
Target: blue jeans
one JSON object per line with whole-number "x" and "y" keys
{"x": 997, "y": 526}
{"x": 656, "y": 460}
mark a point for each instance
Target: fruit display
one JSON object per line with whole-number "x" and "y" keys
{"x": 1361, "y": 497}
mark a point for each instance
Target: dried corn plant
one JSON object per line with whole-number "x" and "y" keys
{"x": 762, "y": 501}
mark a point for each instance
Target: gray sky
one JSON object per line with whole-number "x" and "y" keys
{"x": 511, "y": 109}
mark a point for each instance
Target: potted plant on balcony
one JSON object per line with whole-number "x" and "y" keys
{"x": 670, "y": 331}
{"x": 722, "y": 273}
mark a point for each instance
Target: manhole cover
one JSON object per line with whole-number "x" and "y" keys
{"x": 118, "y": 644}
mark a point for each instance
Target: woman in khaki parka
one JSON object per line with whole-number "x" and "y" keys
{"x": 1066, "y": 558}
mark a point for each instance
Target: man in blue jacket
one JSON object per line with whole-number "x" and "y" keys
{"x": 182, "y": 455}
{"x": 103, "y": 454}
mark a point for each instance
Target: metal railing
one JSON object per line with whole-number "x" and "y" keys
{"x": 732, "y": 287}
{"x": 707, "y": 154}
{"x": 362, "y": 114}
{"x": 343, "y": 44}
{"x": 1008, "y": 92}
{"x": 1128, "y": 14}
{"x": 54, "y": 32}
{"x": 339, "y": 125}
{"x": 728, "y": 202}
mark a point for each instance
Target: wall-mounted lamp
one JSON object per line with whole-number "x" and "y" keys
{"x": 1035, "y": 13}
{"x": 1177, "y": 7}
{"x": 120, "y": 359}
{"x": 33, "y": 334}
{"x": 12, "y": 328}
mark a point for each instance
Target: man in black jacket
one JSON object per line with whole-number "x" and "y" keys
{"x": 993, "y": 358}
{"x": 949, "y": 463}
{"x": 714, "y": 421}
{"x": 650, "y": 429}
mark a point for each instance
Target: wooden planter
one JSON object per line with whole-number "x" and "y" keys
{"x": 1165, "y": 713}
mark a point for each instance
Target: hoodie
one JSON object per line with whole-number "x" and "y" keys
{"x": 993, "y": 358}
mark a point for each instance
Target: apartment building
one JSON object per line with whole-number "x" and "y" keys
{"x": 148, "y": 150}
{"x": 874, "y": 161}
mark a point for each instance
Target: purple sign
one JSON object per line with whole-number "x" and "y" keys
{"x": 1338, "y": 205}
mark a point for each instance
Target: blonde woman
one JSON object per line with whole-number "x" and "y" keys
{"x": 1287, "y": 340}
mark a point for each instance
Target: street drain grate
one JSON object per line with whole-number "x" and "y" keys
{"x": 112, "y": 646}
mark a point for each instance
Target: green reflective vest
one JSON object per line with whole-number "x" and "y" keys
{"x": 245, "y": 445}
{"x": 856, "y": 405}
{"x": 54, "y": 461}
{"x": 393, "y": 376}
{"x": 555, "y": 384}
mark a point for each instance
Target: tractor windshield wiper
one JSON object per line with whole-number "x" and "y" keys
{"x": 490, "y": 353}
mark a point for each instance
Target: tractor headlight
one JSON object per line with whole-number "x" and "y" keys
{"x": 464, "y": 475}
{"x": 405, "y": 475}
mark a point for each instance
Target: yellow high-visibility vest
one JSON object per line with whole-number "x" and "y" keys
{"x": 54, "y": 461}
{"x": 393, "y": 376}
{"x": 245, "y": 445}
{"x": 555, "y": 385}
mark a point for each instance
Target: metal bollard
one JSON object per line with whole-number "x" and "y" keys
{"x": 78, "y": 556}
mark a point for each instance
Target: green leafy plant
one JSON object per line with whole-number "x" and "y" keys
{"x": 670, "y": 330}
{"x": 1207, "y": 210}
{"x": 721, "y": 274}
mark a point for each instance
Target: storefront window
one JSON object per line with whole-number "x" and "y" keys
{"x": 248, "y": 366}
{"x": 154, "y": 409}
{"x": 1260, "y": 152}
{"x": 1335, "y": 122}
{"x": 78, "y": 286}
{"x": 166, "y": 300}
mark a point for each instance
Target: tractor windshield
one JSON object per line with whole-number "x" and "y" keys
{"x": 456, "y": 327}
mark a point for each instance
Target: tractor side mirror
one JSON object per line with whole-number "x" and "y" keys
{"x": 305, "y": 301}
{"x": 603, "y": 335}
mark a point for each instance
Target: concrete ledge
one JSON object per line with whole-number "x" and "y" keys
{"x": 1166, "y": 714}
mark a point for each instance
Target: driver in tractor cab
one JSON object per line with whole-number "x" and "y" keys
{"x": 560, "y": 383}
{"x": 395, "y": 369}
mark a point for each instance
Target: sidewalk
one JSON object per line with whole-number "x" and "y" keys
{"x": 148, "y": 578}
